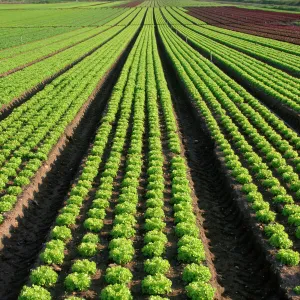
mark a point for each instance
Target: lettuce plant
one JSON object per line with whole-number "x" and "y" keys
{"x": 61, "y": 232}
{"x": 118, "y": 275}
{"x": 156, "y": 265}
{"x": 87, "y": 249}
{"x": 194, "y": 272}
{"x": 288, "y": 257}
{"x": 43, "y": 276}
{"x": 93, "y": 224}
{"x": 198, "y": 290}
{"x": 116, "y": 291}
{"x": 77, "y": 282}
{"x": 84, "y": 266}
{"x": 34, "y": 293}
{"x": 157, "y": 284}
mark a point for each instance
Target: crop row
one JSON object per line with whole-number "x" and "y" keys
{"x": 62, "y": 17}
{"x": 121, "y": 250}
{"x": 41, "y": 50}
{"x": 273, "y": 25}
{"x": 20, "y": 61}
{"x": 278, "y": 45}
{"x": 134, "y": 101}
{"x": 31, "y": 130}
{"x": 18, "y": 83}
{"x": 272, "y": 144}
{"x": 266, "y": 79}
{"x": 17, "y": 50}
{"x": 27, "y": 47}
{"x": 17, "y": 35}
{"x": 254, "y": 108}
{"x": 196, "y": 275}
{"x": 253, "y": 161}
{"x": 119, "y": 105}
{"x": 284, "y": 61}
{"x": 13, "y": 37}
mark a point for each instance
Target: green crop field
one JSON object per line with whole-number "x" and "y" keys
{"x": 149, "y": 150}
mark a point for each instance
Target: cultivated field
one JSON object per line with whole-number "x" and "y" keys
{"x": 149, "y": 150}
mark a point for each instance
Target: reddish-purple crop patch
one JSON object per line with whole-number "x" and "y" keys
{"x": 275, "y": 25}
{"x": 131, "y": 4}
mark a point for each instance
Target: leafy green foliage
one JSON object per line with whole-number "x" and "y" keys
{"x": 194, "y": 272}
{"x": 156, "y": 284}
{"x": 77, "y": 282}
{"x": 61, "y": 232}
{"x": 154, "y": 249}
{"x": 186, "y": 228}
{"x": 273, "y": 228}
{"x": 90, "y": 238}
{"x": 154, "y": 224}
{"x": 93, "y": 224}
{"x": 288, "y": 257}
{"x": 65, "y": 219}
{"x": 5, "y": 206}
{"x": 100, "y": 204}
{"x": 122, "y": 230}
{"x": 190, "y": 250}
{"x": 125, "y": 219}
{"x": 294, "y": 219}
{"x": 118, "y": 275}
{"x": 155, "y": 236}
{"x": 52, "y": 256}
{"x": 96, "y": 213}
{"x": 87, "y": 249}
{"x": 43, "y": 276}
{"x": 297, "y": 290}
{"x": 34, "y": 293}
{"x": 84, "y": 266}
{"x": 121, "y": 250}
{"x": 156, "y": 265}
{"x": 116, "y": 291}
{"x": 72, "y": 209}
{"x": 281, "y": 240}
{"x": 265, "y": 216}
{"x": 199, "y": 290}
{"x": 155, "y": 212}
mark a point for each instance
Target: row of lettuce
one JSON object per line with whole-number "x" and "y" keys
{"x": 18, "y": 84}
{"x": 20, "y": 27}
{"x": 131, "y": 116}
{"x": 251, "y": 72}
{"x": 278, "y": 54}
{"x": 30, "y": 132}
{"x": 259, "y": 150}
{"x": 16, "y": 58}
{"x": 63, "y": 232}
{"x": 275, "y": 44}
